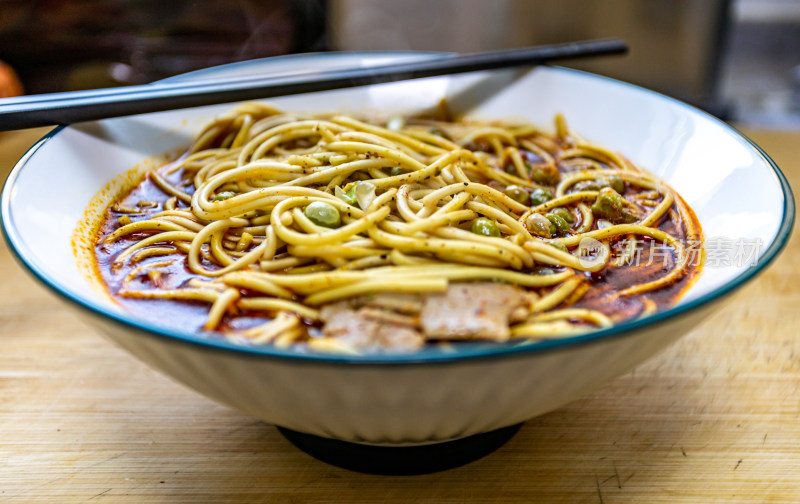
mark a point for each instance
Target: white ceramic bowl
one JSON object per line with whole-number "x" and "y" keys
{"x": 736, "y": 190}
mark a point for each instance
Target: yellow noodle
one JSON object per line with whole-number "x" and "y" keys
{"x": 593, "y": 316}
{"x": 220, "y": 306}
{"x": 556, "y": 296}
{"x": 374, "y": 286}
{"x": 248, "y": 231}
{"x": 278, "y": 305}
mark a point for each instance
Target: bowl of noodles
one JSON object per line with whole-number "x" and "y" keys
{"x": 404, "y": 263}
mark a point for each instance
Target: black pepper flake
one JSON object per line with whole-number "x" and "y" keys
{"x": 466, "y": 183}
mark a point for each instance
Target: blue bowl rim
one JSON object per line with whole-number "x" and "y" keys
{"x": 462, "y": 352}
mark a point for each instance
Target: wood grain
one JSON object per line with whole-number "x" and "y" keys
{"x": 716, "y": 418}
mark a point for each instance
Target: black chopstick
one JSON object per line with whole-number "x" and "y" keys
{"x": 67, "y": 108}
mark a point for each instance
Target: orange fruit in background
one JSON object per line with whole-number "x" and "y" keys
{"x": 9, "y": 82}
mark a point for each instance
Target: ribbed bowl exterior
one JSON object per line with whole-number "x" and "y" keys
{"x": 399, "y": 404}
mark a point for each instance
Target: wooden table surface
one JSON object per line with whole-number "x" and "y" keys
{"x": 715, "y": 418}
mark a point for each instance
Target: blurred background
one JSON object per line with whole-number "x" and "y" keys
{"x": 738, "y": 59}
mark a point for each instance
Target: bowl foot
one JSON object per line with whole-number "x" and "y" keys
{"x": 402, "y": 460}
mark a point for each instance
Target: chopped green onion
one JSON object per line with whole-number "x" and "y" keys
{"x": 348, "y": 196}
{"x": 611, "y": 206}
{"x": 323, "y": 214}
{"x": 224, "y": 195}
{"x": 541, "y": 196}
{"x": 616, "y": 183}
{"x": 517, "y": 193}
{"x": 561, "y": 226}
{"x": 539, "y": 225}
{"x": 548, "y": 175}
{"x": 564, "y": 214}
{"x": 365, "y": 194}
{"x": 485, "y": 227}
